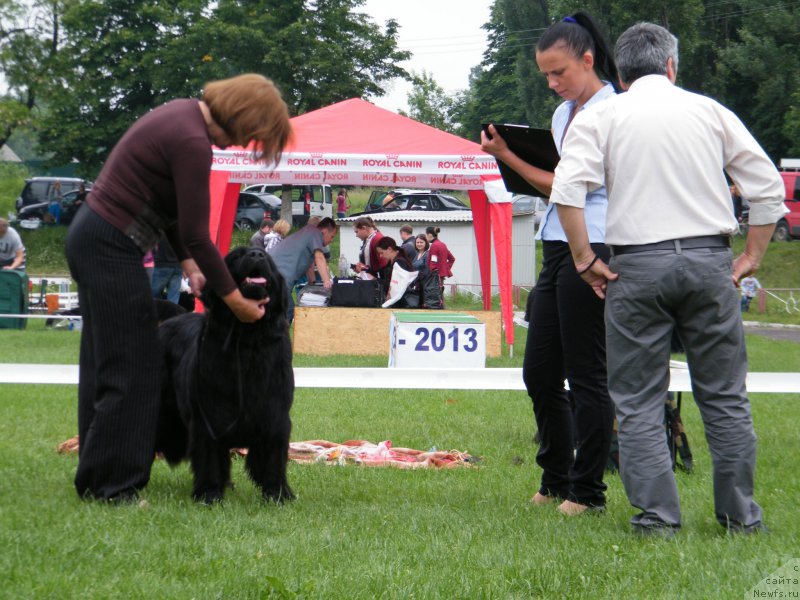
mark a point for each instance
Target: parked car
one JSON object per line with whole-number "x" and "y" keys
{"x": 38, "y": 211}
{"x": 521, "y": 204}
{"x": 307, "y": 200}
{"x": 39, "y": 189}
{"x": 789, "y": 226}
{"x": 254, "y": 208}
{"x": 379, "y": 201}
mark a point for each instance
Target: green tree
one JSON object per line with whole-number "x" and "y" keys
{"x": 29, "y": 44}
{"x": 108, "y": 73}
{"x": 499, "y": 88}
{"x": 758, "y": 75}
{"x": 527, "y": 21}
{"x": 682, "y": 17}
{"x": 428, "y": 103}
{"x": 791, "y": 126}
{"x": 123, "y": 57}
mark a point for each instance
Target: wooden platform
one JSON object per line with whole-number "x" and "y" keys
{"x": 365, "y": 331}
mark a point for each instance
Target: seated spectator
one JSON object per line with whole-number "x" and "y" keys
{"x": 81, "y": 196}
{"x": 12, "y": 251}
{"x": 54, "y": 208}
{"x": 257, "y": 240}
{"x": 279, "y": 231}
{"x": 389, "y": 251}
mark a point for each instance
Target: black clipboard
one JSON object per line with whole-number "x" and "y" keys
{"x": 534, "y": 146}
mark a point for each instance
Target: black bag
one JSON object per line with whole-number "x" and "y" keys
{"x": 411, "y": 298}
{"x": 431, "y": 291}
{"x": 364, "y": 293}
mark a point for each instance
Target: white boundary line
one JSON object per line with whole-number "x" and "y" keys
{"x": 396, "y": 378}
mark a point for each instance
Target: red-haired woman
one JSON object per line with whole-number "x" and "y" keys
{"x": 154, "y": 182}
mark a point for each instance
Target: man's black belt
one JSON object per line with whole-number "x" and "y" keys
{"x": 703, "y": 241}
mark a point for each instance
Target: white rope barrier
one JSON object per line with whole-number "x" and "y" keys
{"x": 396, "y": 378}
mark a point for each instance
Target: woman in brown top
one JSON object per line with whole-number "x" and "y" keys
{"x": 156, "y": 180}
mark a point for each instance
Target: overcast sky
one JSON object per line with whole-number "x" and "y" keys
{"x": 445, "y": 37}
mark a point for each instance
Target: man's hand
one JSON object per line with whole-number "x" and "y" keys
{"x": 597, "y": 276}
{"x": 744, "y": 266}
{"x": 755, "y": 246}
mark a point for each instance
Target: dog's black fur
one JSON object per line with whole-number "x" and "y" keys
{"x": 227, "y": 384}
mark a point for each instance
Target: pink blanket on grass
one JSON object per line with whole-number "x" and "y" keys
{"x": 358, "y": 452}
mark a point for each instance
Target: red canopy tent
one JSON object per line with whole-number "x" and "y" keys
{"x": 356, "y": 143}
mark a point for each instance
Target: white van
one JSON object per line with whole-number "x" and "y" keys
{"x": 307, "y": 200}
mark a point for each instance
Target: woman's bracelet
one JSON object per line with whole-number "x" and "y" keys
{"x": 589, "y": 266}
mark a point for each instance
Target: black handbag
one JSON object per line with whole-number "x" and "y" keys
{"x": 431, "y": 291}
{"x": 363, "y": 293}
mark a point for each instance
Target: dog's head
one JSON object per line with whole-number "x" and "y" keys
{"x": 257, "y": 278}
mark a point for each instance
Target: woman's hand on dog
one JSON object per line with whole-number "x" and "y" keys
{"x": 197, "y": 281}
{"x": 246, "y": 310}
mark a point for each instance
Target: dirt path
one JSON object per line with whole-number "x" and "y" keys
{"x": 785, "y": 332}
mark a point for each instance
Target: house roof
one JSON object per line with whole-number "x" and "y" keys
{"x": 8, "y": 155}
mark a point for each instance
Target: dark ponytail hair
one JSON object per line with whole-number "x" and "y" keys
{"x": 434, "y": 231}
{"x": 581, "y": 33}
{"x": 387, "y": 243}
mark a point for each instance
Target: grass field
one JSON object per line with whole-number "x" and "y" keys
{"x": 375, "y": 533}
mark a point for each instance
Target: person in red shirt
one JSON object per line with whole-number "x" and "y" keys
{"x": 440, "y": 259}
{"x": 342, "y": 205}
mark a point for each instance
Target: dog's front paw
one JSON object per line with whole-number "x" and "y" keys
{"x": 279, "y": 496}
{"x": 208, "y": 497}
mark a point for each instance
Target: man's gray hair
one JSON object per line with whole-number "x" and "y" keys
{"x": 643, "y": 49}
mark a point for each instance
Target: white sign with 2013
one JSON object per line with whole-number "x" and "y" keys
{"x": 436, "y": 341}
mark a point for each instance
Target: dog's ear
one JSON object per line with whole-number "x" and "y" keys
{"x": 233, "y": 258}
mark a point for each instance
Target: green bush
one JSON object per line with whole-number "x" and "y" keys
{"x": 12, "y": 180}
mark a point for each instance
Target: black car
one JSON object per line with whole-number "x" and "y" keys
{"x": 40, "y": 189}
{"x": 411, "y": 200}
{"x": 254, "y": 208}
{"x": 69, "y": 207}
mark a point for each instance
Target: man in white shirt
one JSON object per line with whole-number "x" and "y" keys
{"x": 661, "y": 152}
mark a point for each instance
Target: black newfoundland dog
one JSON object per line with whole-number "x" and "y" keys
{"x": 228, "y": 384}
